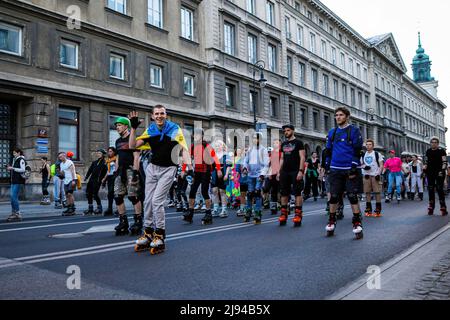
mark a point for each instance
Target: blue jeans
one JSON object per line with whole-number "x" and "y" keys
{"x": 395, "y": 177}
{"x": 254, "y": 184}
{"x": 58, "y": 189}
{"x": 15, "y": 189}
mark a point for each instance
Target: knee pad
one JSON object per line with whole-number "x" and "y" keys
{"x": 133, "y": 200}
{"x": 118, "y": 200}
{"x": 334, "y": 199}
{"x": 353, "y": 198}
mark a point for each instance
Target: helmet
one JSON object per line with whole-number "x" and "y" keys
{"x": 269, "y": 149}
{"x": 123, "y": 120}
{"x": 69, "y": 154}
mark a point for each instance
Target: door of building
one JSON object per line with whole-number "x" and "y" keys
{"x": 7, "y": 137}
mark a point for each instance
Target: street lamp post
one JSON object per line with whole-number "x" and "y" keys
{"x": 258, "y": 65}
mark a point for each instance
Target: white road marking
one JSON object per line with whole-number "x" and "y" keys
{"x": 129, "y": 244}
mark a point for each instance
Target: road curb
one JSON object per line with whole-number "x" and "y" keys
{"x": 362, "y": 280}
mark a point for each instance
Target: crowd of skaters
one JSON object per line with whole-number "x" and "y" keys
{"x": 207, "y": 176}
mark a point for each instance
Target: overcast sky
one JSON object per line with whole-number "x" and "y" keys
{"x": 404, "y": 18}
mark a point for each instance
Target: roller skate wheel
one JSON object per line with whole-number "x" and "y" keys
{"x": 257, "y": 222}
{"x": 359, "y": 236}
{"x": 282, "y": 223}
{"x": 297, "y": 224}
{"x": 330, "y": 234}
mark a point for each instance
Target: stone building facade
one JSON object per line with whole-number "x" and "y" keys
{"x": 68, "y": 68}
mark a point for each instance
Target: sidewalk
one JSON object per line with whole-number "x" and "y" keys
{"x": 420, "y": 273}
{"x": 33, "y": 209}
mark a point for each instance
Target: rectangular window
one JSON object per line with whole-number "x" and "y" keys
{"x": 188, "y": 85}
{"x": 68, "y": 54}
{"x": 352, "y": 97}
{"x": 316, "y": 120}
{"x": 230, "y": 101}
{"x": 314, "y": 80}
{"x": 350, "y": 66}
{"x": 302, "y": 74}
{"x": 289, "y": 68}
{"x": 229, "y": 38}
{"x": 366, "y": 76}
{"x": 326, "y": 121}
{"x": 326, "y": 90}
{"x": 324, "y": 50}
{"x": 155, "y": 13}
{"x": 117, "y": 66}
{"x": 156, "y": 76}
{"x": 310, "y": 15}
{"x": 335, "y": 89}
{"x": 10, "y": 39}
{"x": 333, "y": 56}
{"x": 270, "y": 13}
{"x": 272, "y": 56}
{"x": 287, "y": 27}
{"x": 303, "y": 117}
{"x": 118, "y": 5}
{"x": 342, "y": 61}
{"x": 251, "y": 6}
{"x": 382, "y": 85}
{"x": 252, "y": 45}
{"x": 187, "y": 23}
{"x": 344, "y": 93}
{"x": 253, "y": 99}
{"x": 358, "y": 71}
{"x": 68, "y": 131}
{"x": 273, "y": 107}
{"x": 312, "y": 42}
{"x": 291, "y": 114}
{"x": 300, "y": 35}
{"x": 360, "y": 100}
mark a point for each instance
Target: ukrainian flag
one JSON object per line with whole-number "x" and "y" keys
{"x": 170, "y": 129}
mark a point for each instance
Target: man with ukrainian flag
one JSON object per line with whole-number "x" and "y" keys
{"x": 165, "y": 139}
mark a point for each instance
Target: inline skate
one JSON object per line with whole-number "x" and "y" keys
{"x": 331, "y": 226}
{"x": 122, "y": 227}
{"x": 207, "y": 219}
{"x": 284, "y": 216}
{"x": 298, "y": 218}
{"x": 157, "y": 245}
{"x": 357, "y": 226}
{"x": 136, "y": 228}
{"x": 188, "y": 216}
{"x": 143, "y": 243}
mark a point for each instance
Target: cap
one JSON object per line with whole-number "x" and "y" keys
{"x": 392, "y": 151}
{"x": 103, "y": 151}
{"x": 288, "y": 126}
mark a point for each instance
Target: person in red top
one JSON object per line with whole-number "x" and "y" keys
{"x": 272, "y": 185}
{"x": 204, "y": 158}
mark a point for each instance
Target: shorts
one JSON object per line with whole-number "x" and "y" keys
{"x": 69, "y": 188}
{"x": 130, "y": 187}
{"x": 289, "y": 183}
{"x": 340, "y": 183}
{"x": 244, "y": 183}
{"x": 216, "y": 182}
{"x": 372, "y": 185}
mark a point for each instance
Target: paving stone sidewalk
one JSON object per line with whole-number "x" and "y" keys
{"x": 434, "y": 285}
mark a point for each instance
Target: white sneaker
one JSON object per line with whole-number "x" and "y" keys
{"x": 223, "y": 214}
{"x": 203, "y": 207}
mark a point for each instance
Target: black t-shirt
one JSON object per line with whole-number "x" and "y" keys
{"x": 313, "y": 166}
{"x": 124, "y": 152}
{"x": 291, "y": 156}
{"x": 162, "y": 151}
{"x": 434, "y": 160}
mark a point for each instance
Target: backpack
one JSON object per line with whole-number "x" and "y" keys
{"x": 377, "y": 158}
{"x": 27, "y": 174}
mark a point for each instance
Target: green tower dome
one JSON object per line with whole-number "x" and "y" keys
{"x": 421, "y": 65}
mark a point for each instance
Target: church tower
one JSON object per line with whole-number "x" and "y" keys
{"x": 421, "y": 67}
